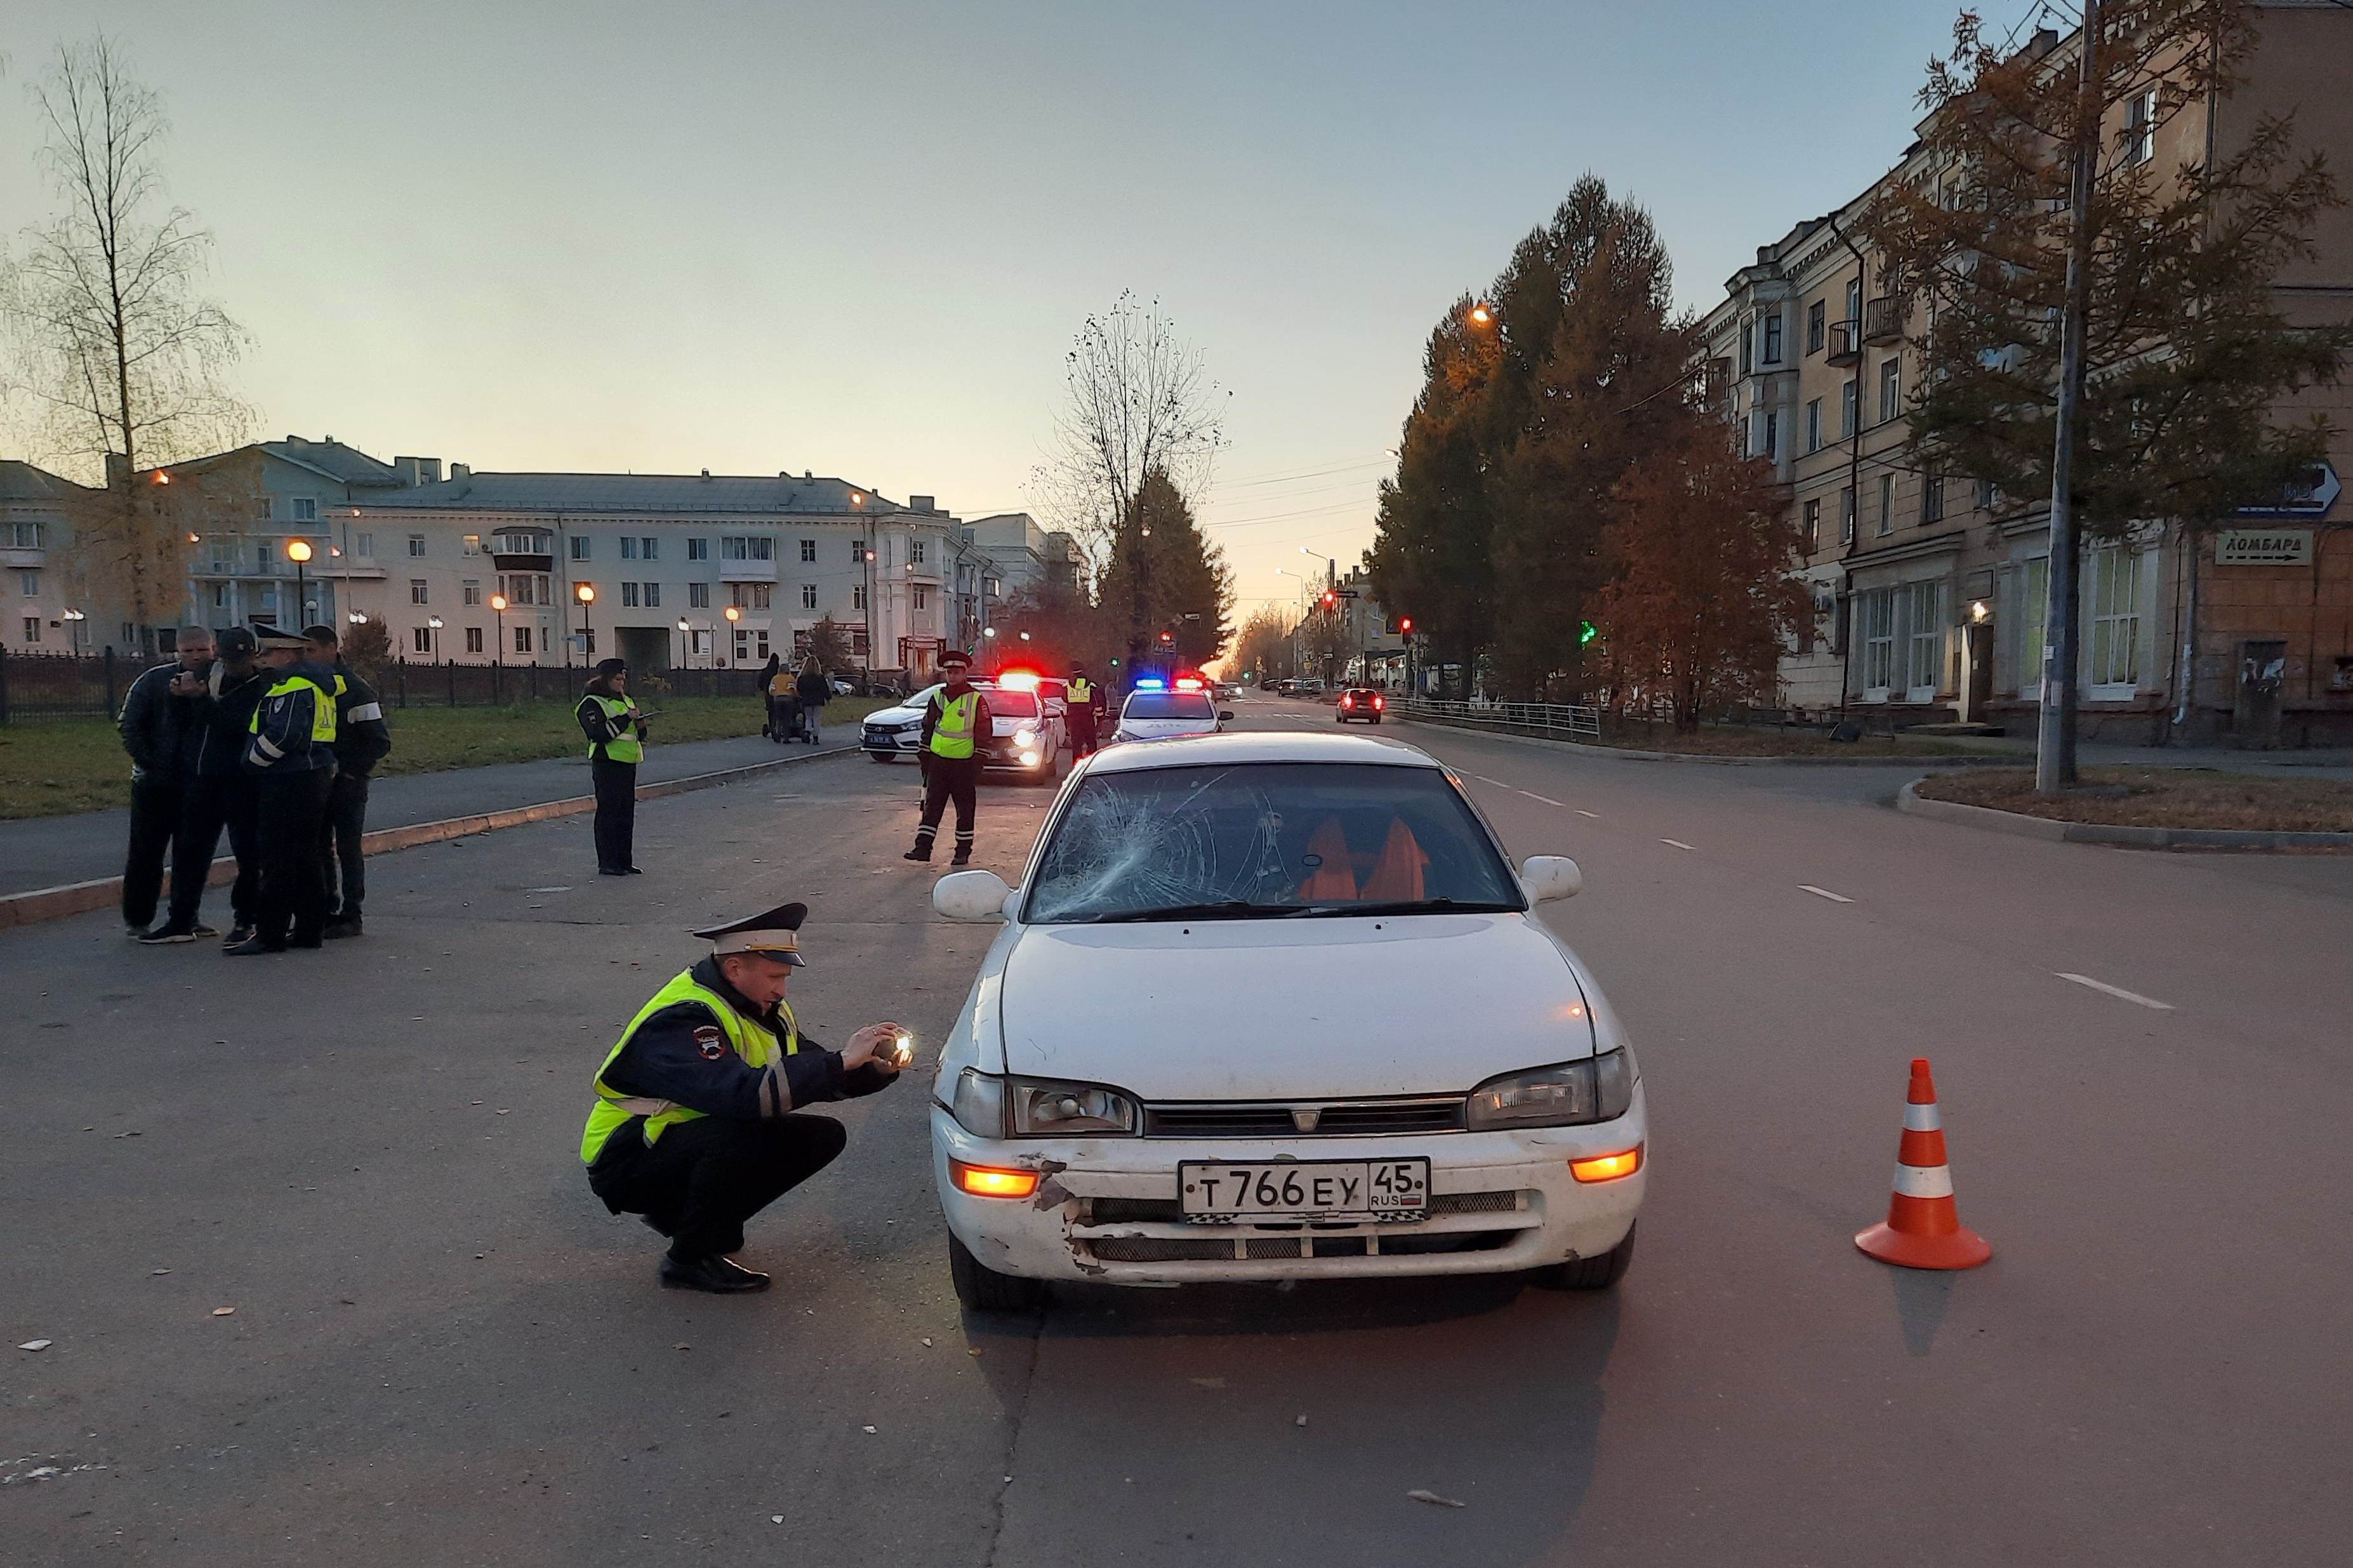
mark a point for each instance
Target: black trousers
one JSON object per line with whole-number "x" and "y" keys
{"x": 1082, "y": 734}
{"x": 293, "y": 882}
{"x": 234, "y": 803}
{"x": 340, "y": 860}
{"x": 949, "y": 779}
{"x": 155, "y": 820}
{"x": 616, "y": 813}
{"x": 703, "y": 1179}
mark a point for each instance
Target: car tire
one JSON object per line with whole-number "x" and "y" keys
{"x": 880, "y": 757}
{"x": 1586, "y": 1273}
{"x": 982, "y": 1289}
{"x": 1373, "y": 720}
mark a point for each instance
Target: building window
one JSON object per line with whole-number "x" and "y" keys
{"x": 651, "y": 546}
{"x": 922, "y": 598}
{"x": 29, "y": 584}
{"x": 808, "y": 596}
{"x": 698, "y": 595}
{"x": 753, "y": 596}
{"x": 629, "y": 590}
{"x": 420, "y": 639}
{"x": 747, "y": 547}
{"x": 857, "y": 553}
{"x": 365, "y": 544}
{"x": 1855, "y": 304}
{"x": 473, "y": 639}
{"x": 1891, "y": 389}
{"x": 416, "y": 590}
{"x": 472, "y": 594}
{"x": 580, "y": 547}
{"x": 1875, "y": 615}
{"x": 1772, "y": 355}
{"x": 858, "y": 596}
{"x": 1849, "y": 395}
{"x": 1932, "y": 497}
{"x": 306, "y": 508}
{"x": 628, "y": 547}
{"x": 1886, "y": 506}
{"x": 469, "y": 544}
{"x": 522, "y": 639}
{"x": 914, "y": 552}
{"x": 1814, "y": 426}
{"x": 697, "y": 550}
{"x": 1816, "y": 317}
{"x": 2114, "y": 577}
{"x": 1920, "y": 608}
{"x": 1846, "y": 515}
{"x": 220, "y": 595}
{"x": 2140, "y": 128}
{"x": 653, "y": 596}
{"x": 416, "y": 544}
{"x": 24, "y": 535}
{"x": 1813, "y": 515}
{"x": 1771, "y": 451}
{"x": 32, "y": 628}
{"x": 1747, "y": 339}
{"x": 808, "y": 552}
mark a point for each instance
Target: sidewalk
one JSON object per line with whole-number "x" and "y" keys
{"x": 2316, "y": 762}
{"x": 52, "y": 851}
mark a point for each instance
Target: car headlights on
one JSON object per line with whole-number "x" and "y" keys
{"x": 1599, "y": 1089}
{"x": 1025, "y": 739}
{"x": 989, "y": 1107}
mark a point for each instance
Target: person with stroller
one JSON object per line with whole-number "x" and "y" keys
{"x": 813, "y": 691}
{"x": 784, "y": 702}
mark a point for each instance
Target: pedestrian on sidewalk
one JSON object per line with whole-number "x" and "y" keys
{"x": 291, "y": 750}
{"x": 361, "y": 741}
{"x": 955, "y": 721}
{"x": 813, "y": 691}
{"x": 768, "y": 697}
{"x": 698, "y": 1123}
{"x": 221, "y": 796}
{"x": 784, "y": 703}
{"x": 617, "y": 744}
{"x": 161, "y": 727}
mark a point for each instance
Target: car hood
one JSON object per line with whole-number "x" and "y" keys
{"x": 895, "y": 716}
{"x": 1322, "y": 1009}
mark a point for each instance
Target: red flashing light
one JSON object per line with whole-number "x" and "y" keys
{"x": 1189, "y": 683}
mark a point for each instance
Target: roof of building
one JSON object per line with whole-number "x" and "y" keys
{"x": 688, "y": 494}
{"x": 345, "y": 465}
{"x": 21, "y": 481}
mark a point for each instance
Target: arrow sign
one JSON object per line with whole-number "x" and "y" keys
{"x": 2311, "y": 498}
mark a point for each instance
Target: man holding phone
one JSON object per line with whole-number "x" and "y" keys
{"x": 698, "y": 1123}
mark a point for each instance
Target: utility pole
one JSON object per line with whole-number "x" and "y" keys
{"x": 2054, "y": 739}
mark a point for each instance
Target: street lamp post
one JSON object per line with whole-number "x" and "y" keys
{"x": 434, "y": 622}
{"x": 498, "y": 653}
{"x": 73, "y": 620}
{"x": 299, "y": 552}
{"x": 735, "y": 613}
{"x": 587, "y": 597}
{"x": 991, "y": 633}
{"x": 681, "y": 642}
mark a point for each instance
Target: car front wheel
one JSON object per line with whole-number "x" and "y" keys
{"x": 984, "y": 1289}
{"x": 1585, "y": 1273}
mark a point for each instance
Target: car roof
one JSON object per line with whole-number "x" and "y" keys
{"x": 1258, "y": 746}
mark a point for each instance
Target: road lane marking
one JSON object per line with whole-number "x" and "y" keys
{"x": 1545, "y": 798}
{"x": 1482, "y": 778}
{"x": 1582, "y": 812}
{"x": 1825, "y": 893}
{"x": 1676, "y": 842}
{"x": 2118, "y": 991}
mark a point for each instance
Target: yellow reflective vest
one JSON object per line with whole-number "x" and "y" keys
{"x": 624, "y": 747}
{"x": 750, "y": 1039}
{"x": 952, "y": 736}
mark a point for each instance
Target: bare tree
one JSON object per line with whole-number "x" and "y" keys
{"x": 120, "y": 355}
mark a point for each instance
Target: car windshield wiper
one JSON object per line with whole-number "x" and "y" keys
{"x": 1229, "y": 909}
{"x": 1412, "y": 906}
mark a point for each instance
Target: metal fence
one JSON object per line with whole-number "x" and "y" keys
{"x": 58, "y": 685}
{"x": 1530, "y": 718}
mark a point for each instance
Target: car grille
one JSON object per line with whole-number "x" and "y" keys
{"x": 1171, "y": 1211}
{"x": 1156, "y": 1250}
{"x": 1349, "y": 1118}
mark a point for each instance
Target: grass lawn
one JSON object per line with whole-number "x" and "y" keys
{"x": 2161, "y": 797}
{"x": 52, "y": 768}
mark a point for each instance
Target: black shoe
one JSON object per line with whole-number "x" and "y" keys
{"x": 340, "y": 928}
{"x": 924, "y": 855}
{"x": 632, "y": 871}
{"x": 717, "y": 1275}
{"x": 238, "y": 932}
{"x": 198, "y": 928}
{"x": 311, "y": 943}
{"x": 612, "y": 870}
{"x": 961, "y": 860}
{"x": 252, "y": 945}
{"x": 168, "y": 933}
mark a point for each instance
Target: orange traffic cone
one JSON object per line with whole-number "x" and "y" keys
{"x": 1923, "y": 1230}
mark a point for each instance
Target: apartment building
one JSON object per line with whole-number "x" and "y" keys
{"x": 34, "y": 524}
{"x": 1931, "y": 590}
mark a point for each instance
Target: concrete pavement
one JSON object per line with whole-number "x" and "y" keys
{"x": 444, "y": 1350}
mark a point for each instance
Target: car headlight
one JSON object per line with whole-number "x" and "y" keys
{"x": 1599, "y": 1089}
{"x": 989, "y": 1107}
{"x": 1025, "y": 739}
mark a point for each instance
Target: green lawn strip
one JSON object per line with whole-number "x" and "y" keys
{"x": 57, "y": 767}
{"x": 2161, "y": 797}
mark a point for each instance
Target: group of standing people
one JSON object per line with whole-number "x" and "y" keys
{"x": 269, "y": 736}
{"x": 796, "y": 700}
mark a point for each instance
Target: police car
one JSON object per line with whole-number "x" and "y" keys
{"x": 1027, "y": 738}
{"x": 1473, "y": 1108}
{"x": 1162, "y": 710}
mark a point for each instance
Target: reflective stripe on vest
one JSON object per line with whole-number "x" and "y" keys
{"x": 323, "y": 708}
{"x": 1081, "y": 692}
{"x": 624, "y": 747}
{"x": 750, "y": 1039}
{"x": 952, "y": 736}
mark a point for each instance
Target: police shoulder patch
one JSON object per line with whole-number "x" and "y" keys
{"x": 710, "y": 1043}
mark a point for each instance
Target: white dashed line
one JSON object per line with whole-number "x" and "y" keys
{"x": 1545, "y": 798}
{"x": 1676, "y": 842}
{"x": 1824, "y": 893}
{"x": 2119, "y": 991}
{"x": 1482, "y": 778}
{"x": 1582, "y": 812}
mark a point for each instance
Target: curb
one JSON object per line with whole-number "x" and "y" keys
{"x": 81, "y": 897}
{"x": 2018, "y": 824}
{"x": 1627, "y": 754}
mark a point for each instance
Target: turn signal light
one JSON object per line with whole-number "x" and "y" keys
{"x": 1606, "y": 1167}
{"x": 991, "y": 1182}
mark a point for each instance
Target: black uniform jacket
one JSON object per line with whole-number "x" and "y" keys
{"x": 984, "y": 737}
{"x": 227, "y": 720}
{"x": 161, "y": 731}
{"x": 674, "y": 1056}
{"x": 361, "y": 737}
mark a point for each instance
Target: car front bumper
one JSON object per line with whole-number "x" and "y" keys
{"x": 1105, "y": 1209}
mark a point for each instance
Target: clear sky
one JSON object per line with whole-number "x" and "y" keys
{"x": 760, "y": 236}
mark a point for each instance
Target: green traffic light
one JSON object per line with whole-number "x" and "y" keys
{"x": 1586, "y": 633}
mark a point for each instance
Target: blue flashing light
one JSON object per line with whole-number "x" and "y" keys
{"x": 1151, "y": 683}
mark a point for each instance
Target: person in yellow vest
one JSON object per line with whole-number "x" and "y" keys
{"x": 957, "y": 736}
{"x": 617, "y": 744}
{"x": 291, "y": 750}
{"x": 698, "y": 1123}
{"x": 1082, "y": 712}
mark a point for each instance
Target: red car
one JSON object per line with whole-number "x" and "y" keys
{"x": 1361, "y": 702}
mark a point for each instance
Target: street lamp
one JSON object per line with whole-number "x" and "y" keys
{"x": 435, "y": 623}
{"x": 299, "y": 552}
{"x": 733, "y": 613}
{"x": 681, "y": 642}
{"x": 587, "y": 597}
{"x": 498, "y": 653}
{"x": 991, "y": 633}
{"x": 73, "y": 620}
{"x": 1481, "y": 314}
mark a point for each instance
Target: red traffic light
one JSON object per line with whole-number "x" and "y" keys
{"x": 1330, "y": 599}
{"x": 1405, "y": 625}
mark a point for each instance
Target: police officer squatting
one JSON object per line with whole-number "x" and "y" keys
{"x": 956, "y": 716}
{"x": 698, "y": 1123}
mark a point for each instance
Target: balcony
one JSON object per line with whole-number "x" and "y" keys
{"x": 1883, "y": 320}
{"x": 522, "y": 560}
{"x": 747, "y": 571}
{"x": 1843, "y": 344}
{"x": 21, "y": 557}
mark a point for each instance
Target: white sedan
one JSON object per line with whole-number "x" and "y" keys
{"x": 1152, "y": 713}
{"x": 1142, "y": 1090}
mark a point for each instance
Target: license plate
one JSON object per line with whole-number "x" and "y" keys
{"x": 1307, "y": 1189}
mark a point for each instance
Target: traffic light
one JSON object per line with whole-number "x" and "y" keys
{"x": 1586, "y": 633}
{"x": 1115, "y": 664}
{"x": 1167, "y": 637}
{"x": 1330, "y": 599}
{"x": 1405, "y": 625}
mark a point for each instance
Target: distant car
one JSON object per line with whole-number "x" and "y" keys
{"x": 1226, "y": 690}
{"x": 1155, "y": 713}
{"x": 841, "y": 688}
{"x": 1026, "y": 740}
{"x": 1307, "y": 689}
{"x": 1362, "y": 703}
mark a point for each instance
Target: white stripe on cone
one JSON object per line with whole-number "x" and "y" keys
{"x": 1922, "y": 1118}
{"x": 1924, "y": 1180}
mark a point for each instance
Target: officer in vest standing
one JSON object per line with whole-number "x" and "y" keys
{"x": 361, "y": 741}
{"x": 955, "y": 726}
{"x": 698, "y": 1122}
{"x": 291, "y": 750}
{"x": 617, "y": 744}
{"x": 1083, "y": 712}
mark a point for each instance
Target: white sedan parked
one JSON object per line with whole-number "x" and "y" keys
{"x": 1155, "y": 713}
{"x": 1142, "y": 1090}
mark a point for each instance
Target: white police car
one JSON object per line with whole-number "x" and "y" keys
{"x": 1160, "y": 710}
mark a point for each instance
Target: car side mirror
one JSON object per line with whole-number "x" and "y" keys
{"x": 1225, "y": 715}
{"x": 971, "y": 896}
{"x": 1546, "y": 877}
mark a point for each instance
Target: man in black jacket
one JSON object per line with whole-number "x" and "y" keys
{"x": 291, "y": 754}
{"x": 159, "y": 729}
{"x": 221, "y": 796}
{"x": 361, "y": 741}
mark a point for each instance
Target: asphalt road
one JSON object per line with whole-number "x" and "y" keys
{"x": 444, "y": 1350}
